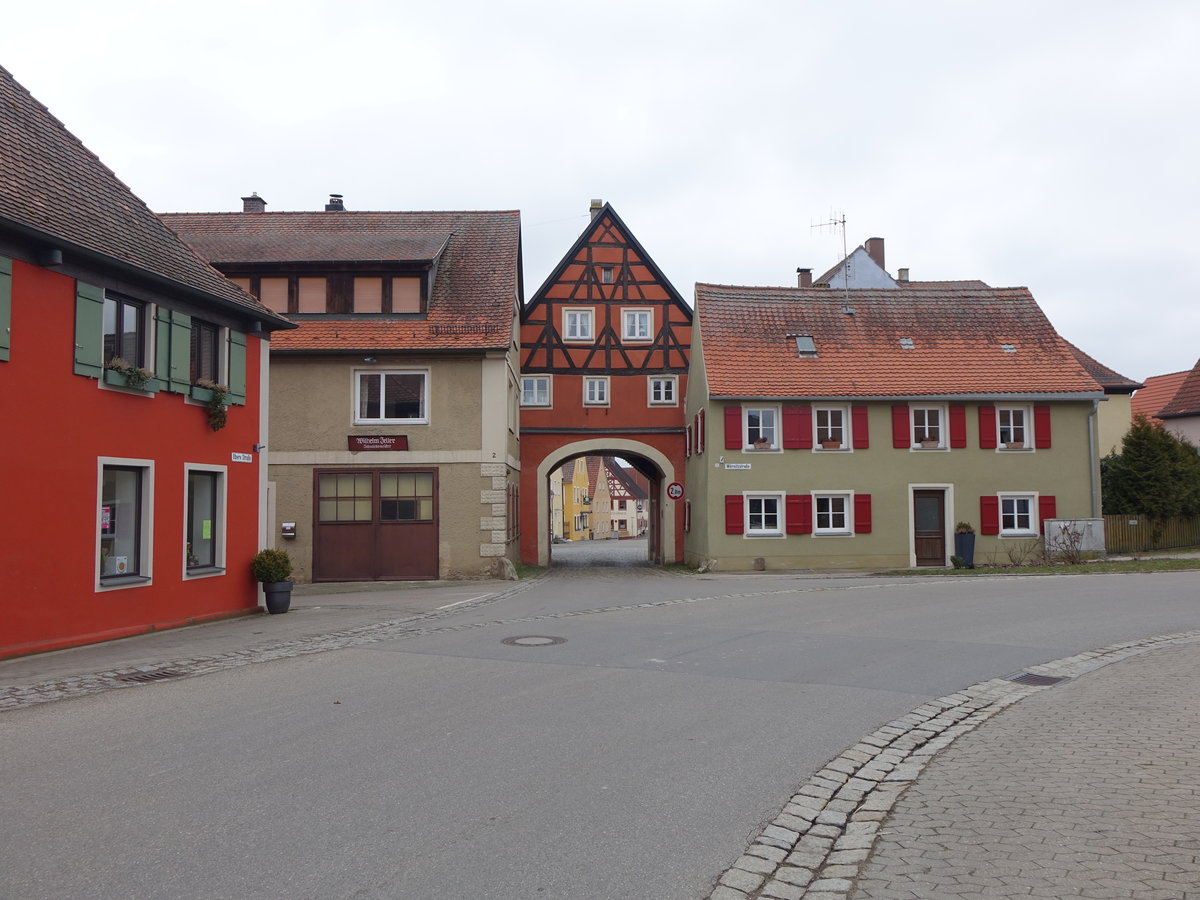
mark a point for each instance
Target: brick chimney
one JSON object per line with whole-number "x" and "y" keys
{"x": 874, "y": 248}
{"x": 804, "y": 278}
{"x": 335, "y": 204}
{"x": 254, "y": 204}
{"x": 595, "y": 207}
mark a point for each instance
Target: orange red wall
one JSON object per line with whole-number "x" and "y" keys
{"x": 55, "y": 425}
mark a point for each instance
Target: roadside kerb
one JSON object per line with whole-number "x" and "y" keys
{"x": 815, "y": 847}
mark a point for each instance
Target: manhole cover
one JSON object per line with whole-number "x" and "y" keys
{"x": 149, "y": 676}
{"x": 533, "y": 640}
{"x": 1034, "y": 680}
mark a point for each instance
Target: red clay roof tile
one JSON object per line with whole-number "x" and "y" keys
{"x": 1159, "y": 391}
{"x": 1186, "y": 401}
{"x": 475, "y": 296}
{"x": 958, "y": 337}
{"x": 51, "y": 183}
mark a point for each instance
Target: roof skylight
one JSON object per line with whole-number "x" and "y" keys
{"x": 1009, "y": 348}
{"x": 805, "y": 345}
{"x": 907, "y": 344}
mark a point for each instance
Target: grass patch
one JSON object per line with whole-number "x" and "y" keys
{"x": 678, "y": 569}
{"x": 524, "y": 570}
{"x": 1116, "y": 567}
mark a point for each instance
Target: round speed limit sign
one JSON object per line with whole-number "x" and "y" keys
{"x": 674, "y": 490}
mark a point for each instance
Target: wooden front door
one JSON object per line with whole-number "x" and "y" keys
{"x": 375, "y": 525}
{"x": 929, "y": 527}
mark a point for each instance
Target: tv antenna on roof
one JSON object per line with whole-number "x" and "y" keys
{"x": 838, "y": 221}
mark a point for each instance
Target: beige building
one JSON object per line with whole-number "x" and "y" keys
{"x": 394, "y": 446}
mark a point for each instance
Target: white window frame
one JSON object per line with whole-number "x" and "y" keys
{"x": 579, "y": 324}
{"x": 843, "y": 427}
{"x": 381, "y": 420}
{"x": 1012, "y": 497}
{"x": 545, "y": 381}
{"x": 598, "y": 397}
{"x": 145, "y": 515}
{"x": 914, "y": 430}
{"x": 847, "y": 513}
{"x": 1026, "y": 427}
{"x": 669, "y": 383}
{"x": 748, "y": 499}
{"x": 221, "y": 519}
{"x": 637, "y": 324}
{"x": 776, "y": 424}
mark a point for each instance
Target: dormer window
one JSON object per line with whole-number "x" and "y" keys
{"x": 805, "y": 345}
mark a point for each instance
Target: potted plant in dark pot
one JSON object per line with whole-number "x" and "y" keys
{"x": 964, "y": 543}
{"x": 274, "y": 569}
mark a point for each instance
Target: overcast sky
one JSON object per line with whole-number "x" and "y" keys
{"x": 1047, "y": 144}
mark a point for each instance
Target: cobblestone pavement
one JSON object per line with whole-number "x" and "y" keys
{"x": 630, "y": 552}
{"x": 1089, "y": 788}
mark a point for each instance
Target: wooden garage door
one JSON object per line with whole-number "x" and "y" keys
{"x": 375, "y": 525}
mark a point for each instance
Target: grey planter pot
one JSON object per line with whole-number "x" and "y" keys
{"x": 964, "y": 548}
{"x": 278, "y": 595}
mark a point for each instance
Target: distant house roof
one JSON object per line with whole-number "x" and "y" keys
{"x": 1157, "y": 393}
{"x": 627, "y": 478}
{"x": 903, "y": 342}
{"x": 53, "y": 189}
{"x": 1186, "y": 401}
{"x": 476, "y": 291}
{"x": 1112, "y": 382}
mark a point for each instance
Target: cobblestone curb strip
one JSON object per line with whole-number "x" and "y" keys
{"x": 416, "y": 626}
{"x": 815, "y": 847}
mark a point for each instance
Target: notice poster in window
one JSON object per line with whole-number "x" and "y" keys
{"x": 107, "y": 525}
{"x": 206, "y": 530}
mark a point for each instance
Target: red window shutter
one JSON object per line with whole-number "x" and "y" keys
{"x": 733, "y": 428}
{"x": 958, "y": 427}
{"x": 700, "y": 431}
{"x": 687, "y": 516}
{"x": 797, "y": 428}
{"x": 799, "y": 513}
{"x": 901, "y": 434}
{"x": 1047, "y": 509}
{"x": 862, "y": 513}
{"x": 687, "y": 441}
{"x": 987, "y": 427}
{"x": 861, "y": 434}
{"x": 735, "y": 522}
{"x": 989, "y": 515}
{"x": 1041, "y": 427}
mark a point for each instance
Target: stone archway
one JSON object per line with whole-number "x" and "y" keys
{"x": 665, "y": 518}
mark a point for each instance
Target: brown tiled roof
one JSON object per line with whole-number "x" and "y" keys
{"x": 52, "y": 185}
{"x": 957, "y": 333}
{"x": 1186, "y": 401}
{"x": 1112, "y": 382}
{"x": 1159, "y": 391}
{"x": 475, "y": 295}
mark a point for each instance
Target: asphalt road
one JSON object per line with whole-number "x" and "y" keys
{"x": 633, "y": 757}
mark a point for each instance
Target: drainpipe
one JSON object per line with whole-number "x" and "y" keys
{"x": 1094, "y": 463}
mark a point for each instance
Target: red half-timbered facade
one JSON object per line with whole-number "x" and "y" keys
{"x": 605, "y": 344}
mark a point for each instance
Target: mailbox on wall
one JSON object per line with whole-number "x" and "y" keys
{"x": 287, "y": 529}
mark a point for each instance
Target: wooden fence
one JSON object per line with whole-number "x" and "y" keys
{"x": 1127, "y": 534}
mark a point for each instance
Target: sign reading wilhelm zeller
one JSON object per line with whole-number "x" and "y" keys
{"x": 377, "y": 442}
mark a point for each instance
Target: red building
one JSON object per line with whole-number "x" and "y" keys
{"x": 125, "y": 510}
{"x": 604, "y": 360}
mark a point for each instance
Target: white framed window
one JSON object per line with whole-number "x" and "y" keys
{"x": 204, "y": 520}
{"x": 928, "y": 427}
{"x": 579, "y": 324}
{"x": 1012, "y": 427}
{"x": 832, "y": 513}
{"x": 535, "y": 390}
{"x": 1018, "y": 515}
{"x": 761, "y": 427}
{"x": 829, "y": 428}
{"x": 764, "y": 515}
{"x": 637, "y": 324}
{"x": 391, "y": 397}
{"x": 663, "y": 390}
{"x": 124, "y": 522}
{"x": 595, "y": 390}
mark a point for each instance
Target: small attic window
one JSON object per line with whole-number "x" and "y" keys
{"x": 805, "y": 345}
{"x": 1009, "y": 348}
{"x": 907, "y": 344}
{"x": 606, "y": 275}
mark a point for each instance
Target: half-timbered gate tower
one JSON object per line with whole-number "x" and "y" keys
{"x": 604, "y": 361}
